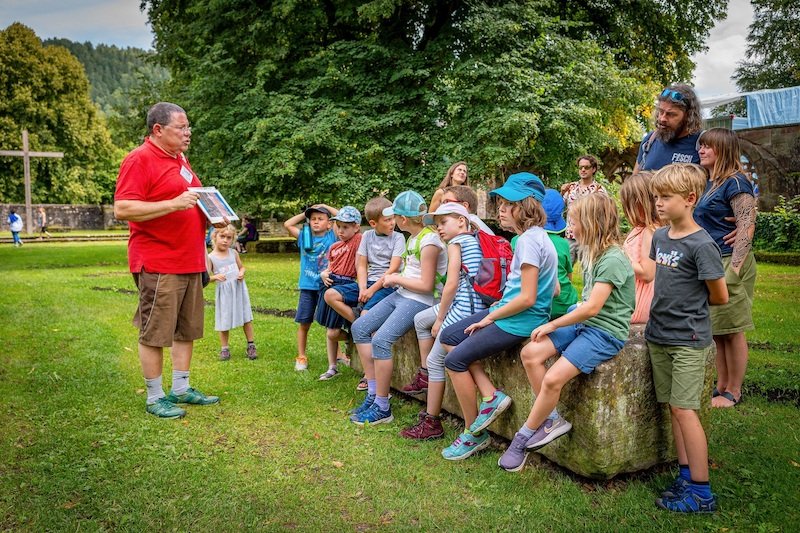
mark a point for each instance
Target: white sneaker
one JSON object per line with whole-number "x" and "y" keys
{"x": 300, "y": 364}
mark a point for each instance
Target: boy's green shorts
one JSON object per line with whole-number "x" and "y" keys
{"x": 679, "y": 374}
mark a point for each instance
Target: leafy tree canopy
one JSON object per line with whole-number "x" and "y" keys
{"x": 773, "y": 47}
{"x": 339, "y": 99}
{"x": 45, "y": 90}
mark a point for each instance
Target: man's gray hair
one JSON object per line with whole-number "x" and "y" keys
{"x": 161, "y": 113}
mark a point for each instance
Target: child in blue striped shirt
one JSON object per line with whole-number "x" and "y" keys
{"x": 458, "y": 301}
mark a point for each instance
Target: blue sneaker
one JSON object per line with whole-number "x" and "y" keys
{"x": 489, "y": 411}
{"x": 676, "y": 490}
{"x": 466, "y": 445}
{"x": 688, "y": 502}
{"x": 549, "y": 431}
{"x": 373, "y": 415}
{"x": 366, "y": 404}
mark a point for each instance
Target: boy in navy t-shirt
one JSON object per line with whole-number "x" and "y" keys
{"x": 689, "y": 277}
{"x": 313, "y": 239}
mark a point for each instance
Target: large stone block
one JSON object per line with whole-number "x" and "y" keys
{"x": 617, "y": 425}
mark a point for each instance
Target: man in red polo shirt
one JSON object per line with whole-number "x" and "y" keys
{"x": 166, "y": 254}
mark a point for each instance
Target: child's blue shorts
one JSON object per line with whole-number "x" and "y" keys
{"x": 306, "y": 306}
{"x": 585, "y": 346}
{"x": 350, "y": 293}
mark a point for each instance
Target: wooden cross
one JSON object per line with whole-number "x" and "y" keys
{"x": 26, "y": 155}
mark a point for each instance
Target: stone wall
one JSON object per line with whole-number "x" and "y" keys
{"x": 85, "y": 217}
{"x": 617, "y": 425}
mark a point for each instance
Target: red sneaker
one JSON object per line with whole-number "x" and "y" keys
{"x": 418, "y": 385}
{"x": 428, "y": 428}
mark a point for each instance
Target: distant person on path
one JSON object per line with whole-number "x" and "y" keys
{"x": 586, "y": 185}
{"x": 457, "y": 174}
{"x": 43, "y": 224}
{"x": 231, "y": 299}
{"x": 165, "y": 254}
{"x": 689, "y": 276}
{"x": 314, "y": 237}
{"x": 729, "y": 204}
{"x": 678, "y": 127}
{"x": 15, "y": 225}
{"x": 248, "y": 233}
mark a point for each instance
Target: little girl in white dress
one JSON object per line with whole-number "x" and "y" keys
{"x": 232, "y": 300}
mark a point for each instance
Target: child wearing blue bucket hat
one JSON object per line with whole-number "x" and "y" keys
{"x": 525, "y": 304}
{"x": 554, "y": 208}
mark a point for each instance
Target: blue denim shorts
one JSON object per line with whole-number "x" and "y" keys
{"x": 350, "y": 293}
{"x": 306, "y": 306}
{"x": 585, "y": 346}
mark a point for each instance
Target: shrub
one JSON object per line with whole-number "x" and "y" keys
{"x": 779, "y": 231}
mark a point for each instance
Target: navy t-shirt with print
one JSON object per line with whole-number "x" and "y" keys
{"x": 661, "y": 154}
{"x": 714, "y": 206}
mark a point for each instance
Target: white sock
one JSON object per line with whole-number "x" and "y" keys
{"x": 155, "y": 391}
{"x": 180, "y": 381}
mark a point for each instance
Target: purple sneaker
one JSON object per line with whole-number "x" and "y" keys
{"x": 549, "y": 431}
{"x": 516, "y": 454}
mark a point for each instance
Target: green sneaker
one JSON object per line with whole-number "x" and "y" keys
{"x": 192, "y": 396}
{"x": 163, "y": 408}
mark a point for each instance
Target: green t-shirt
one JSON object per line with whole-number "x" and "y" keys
{"x": 568, "y": 295}
{"x": 613, "y": 268}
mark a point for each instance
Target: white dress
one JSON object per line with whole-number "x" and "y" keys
{"x": 233, "y": 302}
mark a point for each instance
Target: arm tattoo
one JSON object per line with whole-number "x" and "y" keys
{"x": 745, "y": 213}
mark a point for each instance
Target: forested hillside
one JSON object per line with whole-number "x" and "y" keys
{"x": 112, "y": 71}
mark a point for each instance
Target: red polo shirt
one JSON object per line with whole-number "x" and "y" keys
{"x": 173, "y": 243}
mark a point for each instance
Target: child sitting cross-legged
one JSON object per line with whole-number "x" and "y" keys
{"x": 341, "y": 271}
{"x": 379, "y": 254}
{"x": 593, "y": 332}
{"x": 459, "y": 300}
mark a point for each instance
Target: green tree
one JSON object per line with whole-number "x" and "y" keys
{"x": 45, "y": 90}
{"x": 337, "y": 99}
{"x": 773, "y": 47}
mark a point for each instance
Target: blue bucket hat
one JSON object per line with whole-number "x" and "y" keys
{"x": 348, "y": 214}
{"x": 407, "y": 204}
{"x": 519, "y": 186}
{"x": 553, "y": 205}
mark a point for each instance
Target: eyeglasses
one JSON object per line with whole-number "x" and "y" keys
{"x": 675, "y": 96}
{"x": 182, "y": 129}
{"x": 585, "y": 167}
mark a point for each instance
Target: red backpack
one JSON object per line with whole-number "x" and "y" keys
{"x": 490, "y": 279}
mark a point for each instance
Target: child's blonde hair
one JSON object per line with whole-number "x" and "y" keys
{"x": 374, "y": 208}
{"x": 637, "y": 201}
{"x": 527, "y": 213}
{"x": 227, "y": 229}
{"x": 680, "y": 178}
{"x": 597, "y": 215}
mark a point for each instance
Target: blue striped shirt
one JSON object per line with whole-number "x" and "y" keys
{"x": 465, "y": 302}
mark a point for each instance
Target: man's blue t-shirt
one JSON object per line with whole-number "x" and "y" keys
{"x": 661, "y": 154}
{"x": 313, "y": 258}
{"x": 714, "y": 206}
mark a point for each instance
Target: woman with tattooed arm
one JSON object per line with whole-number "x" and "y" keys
{"x": 728, "y": 205}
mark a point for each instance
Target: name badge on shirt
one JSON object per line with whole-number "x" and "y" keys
{"x": 187, "y": 174}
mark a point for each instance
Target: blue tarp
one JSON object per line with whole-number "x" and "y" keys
{"x": 773, "y": 107}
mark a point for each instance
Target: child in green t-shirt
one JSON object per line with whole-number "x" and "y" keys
{"x": 554, "y": 207}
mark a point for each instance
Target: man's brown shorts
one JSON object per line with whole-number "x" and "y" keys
{"x": 170, "y": 308}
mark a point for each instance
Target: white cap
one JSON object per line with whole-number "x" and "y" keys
{"x": 450, "y": 208}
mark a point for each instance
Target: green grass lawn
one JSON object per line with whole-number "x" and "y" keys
{"x": 77, "y": 451}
